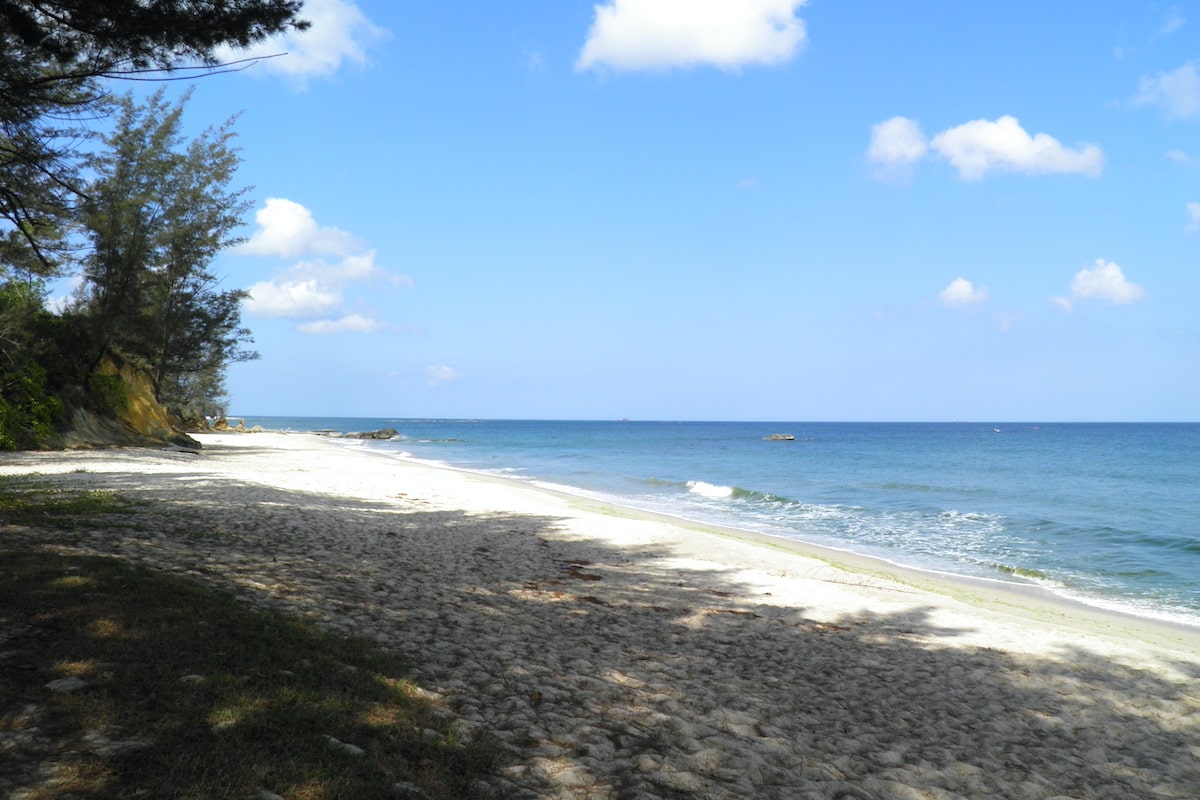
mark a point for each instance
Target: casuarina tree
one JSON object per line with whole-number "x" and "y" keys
{"x": 159, "y": 211}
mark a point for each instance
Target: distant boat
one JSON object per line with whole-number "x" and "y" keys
{"x": 779, "y": 437}
{"x": 995, "y": 430}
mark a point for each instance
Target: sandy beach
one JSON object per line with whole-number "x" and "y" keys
{"x": 621, "y": 655}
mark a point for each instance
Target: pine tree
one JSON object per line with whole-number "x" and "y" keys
{"x": 158, "y": 213}
{"x": 53, "y": 57}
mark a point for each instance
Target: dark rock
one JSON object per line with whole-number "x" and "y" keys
{"x": 382, "y": 433}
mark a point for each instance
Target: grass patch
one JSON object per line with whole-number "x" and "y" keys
{"x": 41, "y": 504}
{"x": 184, "y": 692}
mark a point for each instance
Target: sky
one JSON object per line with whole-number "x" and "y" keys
{"x": 721, "y": 210}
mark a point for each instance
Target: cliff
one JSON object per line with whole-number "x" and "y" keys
{"x": 143, "y": 422}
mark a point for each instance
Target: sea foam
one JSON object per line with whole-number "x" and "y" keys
{"x": 710, "y": 490}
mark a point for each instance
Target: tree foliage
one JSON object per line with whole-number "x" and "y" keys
{"x": 91, "y": 38}
{"x": 158, "y": 212}
{"x": 53, "y": 57}
{"x": 144, "y": 223}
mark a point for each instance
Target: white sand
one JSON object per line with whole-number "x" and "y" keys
{"x": 618, "y": 654}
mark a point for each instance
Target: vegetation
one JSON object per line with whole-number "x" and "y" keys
{"x": 55, "y": 58}
{"x": 157, "y": 214}
{"x": 138, "y": 211}
{"x": 46, "y": 505}
{"x": 177, "y": 690}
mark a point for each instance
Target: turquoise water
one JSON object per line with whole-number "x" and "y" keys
{"x": 1105, "y": 513}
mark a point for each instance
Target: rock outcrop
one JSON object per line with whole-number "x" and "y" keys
{"x": 382, "y": 433}
{"x": 144, "y": 422}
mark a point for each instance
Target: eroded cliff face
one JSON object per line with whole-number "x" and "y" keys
{"x": 144, "y": 423}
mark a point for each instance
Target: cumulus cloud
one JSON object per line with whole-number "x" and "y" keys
{"x": 1103, "y": 281}
{"x": 1176, "y": 92}
{"x": 896, "y": 144}
{"x": 441, "y": 374}
{"x": 353, "y": 323}
{"x": 339, "y": 32}
{"x": 978, "y": 147}
{"x": 981, "y": 146}
{"x": 288, "y": 230}
{"x": 661, "y": 34}
{"x": 961, "y": 293}
{"x": 309, "y": 289}
{"x": 313, "y": 287}
{"x": 291, "y": 298}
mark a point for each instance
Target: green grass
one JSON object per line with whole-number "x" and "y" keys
{"x": 189, "y": 693}
{"x": 42, "y": 504}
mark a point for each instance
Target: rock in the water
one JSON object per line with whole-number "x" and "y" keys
{"x": 382, "y": 433}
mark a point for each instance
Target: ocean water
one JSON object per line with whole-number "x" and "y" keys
{"x": 1104, "y": 513}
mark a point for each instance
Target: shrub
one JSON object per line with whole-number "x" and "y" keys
{"x": 108, "y": 395}
{"x": 28, "y": 414}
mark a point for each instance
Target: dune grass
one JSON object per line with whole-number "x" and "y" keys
{"x": 118, "y": 681}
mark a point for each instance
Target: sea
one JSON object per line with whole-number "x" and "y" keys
{"x": 1106, "y": 514}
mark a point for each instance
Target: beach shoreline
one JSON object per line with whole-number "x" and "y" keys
{"x": 620, "y": 653}
{"x": 1030, "y": 600}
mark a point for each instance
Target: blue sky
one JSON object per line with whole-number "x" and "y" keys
{"x": 722, "y": 209}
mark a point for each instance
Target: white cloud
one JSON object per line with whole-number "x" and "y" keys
{"x": 981, "y": 146}
{"x": 1177, "y": 92}
{"x": 961, "y": 293}
{"x": 354, "y": 267}
{"x": 1104, "y": 281}
{"x": 288, "y": 230}
{"x": 896, "y": 144}
{"x": 441, "y": 374}
{"x": 339, "y": 32}
{"x": 354, "y": 323}
{"x": 660, "y": 34}
{"x": 66, "y": 290}
{"x": 1193, "y": 210}
{"x": 898, "y": 139}
{"x": 976, "y": 148}
{"x": 314, "y": 287}
{"x": 291, "y": 298}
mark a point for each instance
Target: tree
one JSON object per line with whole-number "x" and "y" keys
{"x": 157, "y": 214}
{"x": 56, "y": 60}
{"x": 53, "y": 55}
{"x": 86, "y": 37}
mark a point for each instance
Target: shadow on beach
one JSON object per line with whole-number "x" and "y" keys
{"x": 611, "y": 672}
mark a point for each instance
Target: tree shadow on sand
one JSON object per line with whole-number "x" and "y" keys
{"x": 611, "y": 672}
